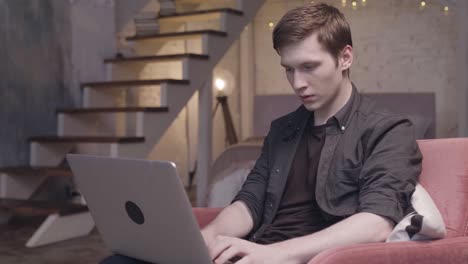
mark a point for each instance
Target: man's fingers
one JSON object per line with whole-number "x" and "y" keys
{"x": 218, "y": 248}
{"x": 229, "y": 247}
{"x": 244, "y": 260}
{"x": 220, "y": 245}
{"x": 228, "y": 254}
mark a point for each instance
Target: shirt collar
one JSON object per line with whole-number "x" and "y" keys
{"x": 342, "y": 116}
{"x": 340, "y": 119}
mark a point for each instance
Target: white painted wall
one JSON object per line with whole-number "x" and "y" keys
{"x": 180, "y": 142}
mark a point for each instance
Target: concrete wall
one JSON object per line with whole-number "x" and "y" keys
{"x": 48, "y": 48}
{"x": 35, "y": 52}
{"x": 398, "y": 48}
{"x": 93, "y": 38}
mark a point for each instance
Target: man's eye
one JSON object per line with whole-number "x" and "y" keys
{"x": 288, "y": 69}
{"x": 309, "y": 67}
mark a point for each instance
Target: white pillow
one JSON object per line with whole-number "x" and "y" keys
{"x": 424, "y": 224}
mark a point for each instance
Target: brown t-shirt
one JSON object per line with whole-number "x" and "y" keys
{"x": 298, "y": 213}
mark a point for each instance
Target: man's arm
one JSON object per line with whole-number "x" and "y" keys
{"x": 243, "y": 215}
{"x": 358, "y": 228}
{"x": 233, "y": 221}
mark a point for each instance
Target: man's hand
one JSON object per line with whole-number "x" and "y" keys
{"x": 209, "y": 236}
{"x": 225, "y": 248}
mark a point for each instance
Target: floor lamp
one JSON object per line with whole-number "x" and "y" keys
{"x": 231, "y": 136}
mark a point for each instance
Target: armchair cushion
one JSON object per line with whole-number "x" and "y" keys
{"x": 449, "y": 250}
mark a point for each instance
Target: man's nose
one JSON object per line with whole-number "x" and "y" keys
{"x": 299, "y": 81}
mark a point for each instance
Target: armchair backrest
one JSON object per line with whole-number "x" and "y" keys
{"x": 445, "y": 176}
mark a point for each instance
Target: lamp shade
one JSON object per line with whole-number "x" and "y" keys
{"x": 223, "y": 82}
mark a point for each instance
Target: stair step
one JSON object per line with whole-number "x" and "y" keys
{"x": 78, "y": 139}
{"x": 157, "y": 58}
{"x": 41, "y": 208}
{"x": 112, "y": 110}
{"x": 198, "y": 13}
{"x": 179, "y": 34}
{"x": 111, "y": 84}
{"x": 39, "y": 171}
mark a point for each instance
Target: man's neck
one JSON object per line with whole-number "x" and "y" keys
{"x": 322, "y": 115}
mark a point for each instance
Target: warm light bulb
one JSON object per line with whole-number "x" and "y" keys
{"x": 271, "y": 24}
{"x": 446, "y": 8}
{"x": 220, "y": 84}
{"x": 364, "y": 1}
{"x": 423, "y": 3}
{"x": 354, "y": 3}
{"x": 343, "y": 3}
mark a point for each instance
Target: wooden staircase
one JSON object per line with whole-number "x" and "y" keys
{"x": 127, "y": 114}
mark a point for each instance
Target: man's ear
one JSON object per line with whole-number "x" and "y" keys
{"x": 346, "y": 58}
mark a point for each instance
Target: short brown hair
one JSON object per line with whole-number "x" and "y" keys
{"x": 297, "y": 24}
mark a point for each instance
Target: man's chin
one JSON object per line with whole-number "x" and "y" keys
{"x": 311, "y": 107}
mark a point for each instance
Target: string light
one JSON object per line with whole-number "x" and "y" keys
{"x": 444, "y": 3}
{"x": 422, "y": 4}
{"x": 271, "y": 24}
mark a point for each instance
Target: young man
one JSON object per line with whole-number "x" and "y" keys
{"x": 337, "y": 171}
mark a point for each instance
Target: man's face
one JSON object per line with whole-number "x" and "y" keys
{"x": 313, "y": 73}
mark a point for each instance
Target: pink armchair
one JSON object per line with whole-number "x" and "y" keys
{"x": 445, "y": 177}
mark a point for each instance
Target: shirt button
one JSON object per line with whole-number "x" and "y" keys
{"x": 254, "y": 236}
{"x": 277, "y": 170}
{"x": 343, "y": 128}
{"x": 270, "y": 204}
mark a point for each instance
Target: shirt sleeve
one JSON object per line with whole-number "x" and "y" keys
{"x": 254, "y": 188}
{"x": 391, "y": 170}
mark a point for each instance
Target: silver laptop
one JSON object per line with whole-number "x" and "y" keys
{"x": 140, "y": 208}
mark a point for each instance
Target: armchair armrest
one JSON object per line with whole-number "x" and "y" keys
{"x": 448, "y": 250}
{"x": 205, "y": 215}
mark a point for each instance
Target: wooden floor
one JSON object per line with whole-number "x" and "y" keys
{"x": 88, "y": 249}
{"x": 13, "y": 236}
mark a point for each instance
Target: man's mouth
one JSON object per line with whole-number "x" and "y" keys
{"x": 308, "y": 97}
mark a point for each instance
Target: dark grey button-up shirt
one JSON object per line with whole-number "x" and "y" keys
{"x": 370, "y": 162}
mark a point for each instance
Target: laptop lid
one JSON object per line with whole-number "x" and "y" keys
{"x": 140, "y": 208}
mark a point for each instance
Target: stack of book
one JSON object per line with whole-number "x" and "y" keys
{"x": 167, "y": 7}
{"x": 146, "y": 23}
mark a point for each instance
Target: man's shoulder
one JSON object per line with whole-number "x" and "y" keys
{"x": 373, "y": 112}
{"x": 373, "y": 118}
